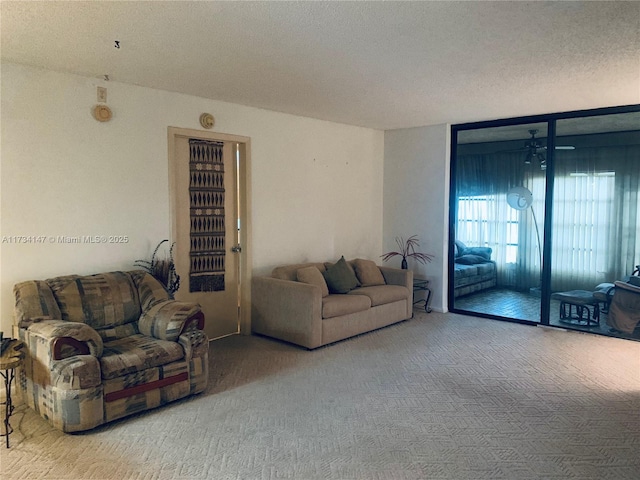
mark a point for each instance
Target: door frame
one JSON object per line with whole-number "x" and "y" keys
{"x": 244, "y": 207}
{"x": 550, "y": 119}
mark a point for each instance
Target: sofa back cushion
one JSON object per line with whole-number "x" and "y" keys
{"x": 368, "y": 272}
{"x": 312, "y": 276}
{"x": 34, "y": 300}
{"x": 290, "y": 272}
{"x": 150, "y": 290}
{"x": 102, "y": 301}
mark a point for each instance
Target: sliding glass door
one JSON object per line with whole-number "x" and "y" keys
{"x": 596, "y": 219}
{"x": 499, "y": 200}
{"x": 545, "y": 217}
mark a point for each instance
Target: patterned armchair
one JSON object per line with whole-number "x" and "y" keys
{"x": 105, "y": 346}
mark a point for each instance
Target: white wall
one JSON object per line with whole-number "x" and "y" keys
{"x": 316, "y": 186}
{"x": 416, "y": 192}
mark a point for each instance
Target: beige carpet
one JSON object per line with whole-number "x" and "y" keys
{"x": 441, "y": 396}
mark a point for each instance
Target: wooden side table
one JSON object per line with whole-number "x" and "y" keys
{"x": 10, "y": 359}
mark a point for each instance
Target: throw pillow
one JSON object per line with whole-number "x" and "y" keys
{"x": 340, "y": 277}
{"x": 471, "y": 259}
{"x": 312, "y": 276}
{"x": 368, "y": 272}
{"x": 461, "y": 247}
{"x": 480, "y": 251}
{"x": 349, "y": 264}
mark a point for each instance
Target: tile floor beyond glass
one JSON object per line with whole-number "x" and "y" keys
{"x": 525, "y": 306}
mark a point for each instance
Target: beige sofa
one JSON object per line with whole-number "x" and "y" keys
{"x": 294, "y": 304}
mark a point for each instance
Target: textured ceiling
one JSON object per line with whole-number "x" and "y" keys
{"x": 382, "y": 65}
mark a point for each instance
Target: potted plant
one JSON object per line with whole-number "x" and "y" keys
{"x": 407, "y": 249}
{"x": 162, "y": 270}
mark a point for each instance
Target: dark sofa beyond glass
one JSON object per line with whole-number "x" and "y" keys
{"x": 473, "y": 269}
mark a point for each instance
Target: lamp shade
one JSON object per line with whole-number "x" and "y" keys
{"x": 519, "y": 198}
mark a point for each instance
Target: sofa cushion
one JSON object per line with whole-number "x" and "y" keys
{"x": 471, "y": 259}
{"x": 312, "y": 276}
{"x": 137, "y": 353}
{"x": 381, "y": 294}
{"x": 290, "y": 272}
{"x": 368, "y": 272}
{"x": 461, "y": 271}
{"x": 150, "y": 290}
{"x": 34, "y": 299}
{"x": 338, "y": 305}
{"x": 340, "y": 277}
{"x": 459, "y": 248}
{"x": 103, "y": 300}
{"x": 486, "y": 268}
{"x": 484, "y": 252}
{"x": 109, "y": 334}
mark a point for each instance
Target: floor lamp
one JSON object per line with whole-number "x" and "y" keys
{"x": 521, "y": 198}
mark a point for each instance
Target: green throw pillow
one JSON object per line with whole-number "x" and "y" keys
{"x": 340, "y": 277}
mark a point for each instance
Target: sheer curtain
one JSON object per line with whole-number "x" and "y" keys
{"x": 596, "y": 219}
{"x": 484, "y": 218}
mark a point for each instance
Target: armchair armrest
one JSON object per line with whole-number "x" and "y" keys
{"x": 66, "y": 339}
{"x": 624, "y": 312}
{"x": 288, "y": 310}
{"x": 63, "y": 345}
{"x": 167, "y": 320}
{"x": 627, "y": 286}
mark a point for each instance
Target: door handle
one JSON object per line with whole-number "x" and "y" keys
{"x": 236, "y": 248}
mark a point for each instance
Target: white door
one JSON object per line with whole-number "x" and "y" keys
{"x": 206, "y": 229}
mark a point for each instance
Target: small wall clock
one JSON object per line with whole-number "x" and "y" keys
{"x": 207, "y": 120}
{"x": 102, "y": 113}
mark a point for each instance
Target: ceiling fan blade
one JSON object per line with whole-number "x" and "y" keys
{"x": 563, "y": 147}
{"x": 513, "y": 150}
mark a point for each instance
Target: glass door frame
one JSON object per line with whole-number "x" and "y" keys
{"x": 550, "y": 120}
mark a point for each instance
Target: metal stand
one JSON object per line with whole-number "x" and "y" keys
{"x": 582, "y": 317}
{"x": 421, "y": 285}
{"x": 10, "y": 359}
{"x": 8, "y": 376}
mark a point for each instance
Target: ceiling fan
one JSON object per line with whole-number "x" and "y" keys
{"x": 533, "y": 143}
{"x": 535, "y": 150}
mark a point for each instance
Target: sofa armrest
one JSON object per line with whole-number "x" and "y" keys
{"x": 398, "y": 276}
{"x": 288, "y": 310}
{"x": 166, "y": 320}
{"x": 64, "y": 339}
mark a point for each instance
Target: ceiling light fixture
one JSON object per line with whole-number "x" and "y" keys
{"x": 535, "y": 152}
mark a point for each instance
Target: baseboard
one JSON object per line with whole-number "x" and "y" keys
{"x": 551, "y": 327}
